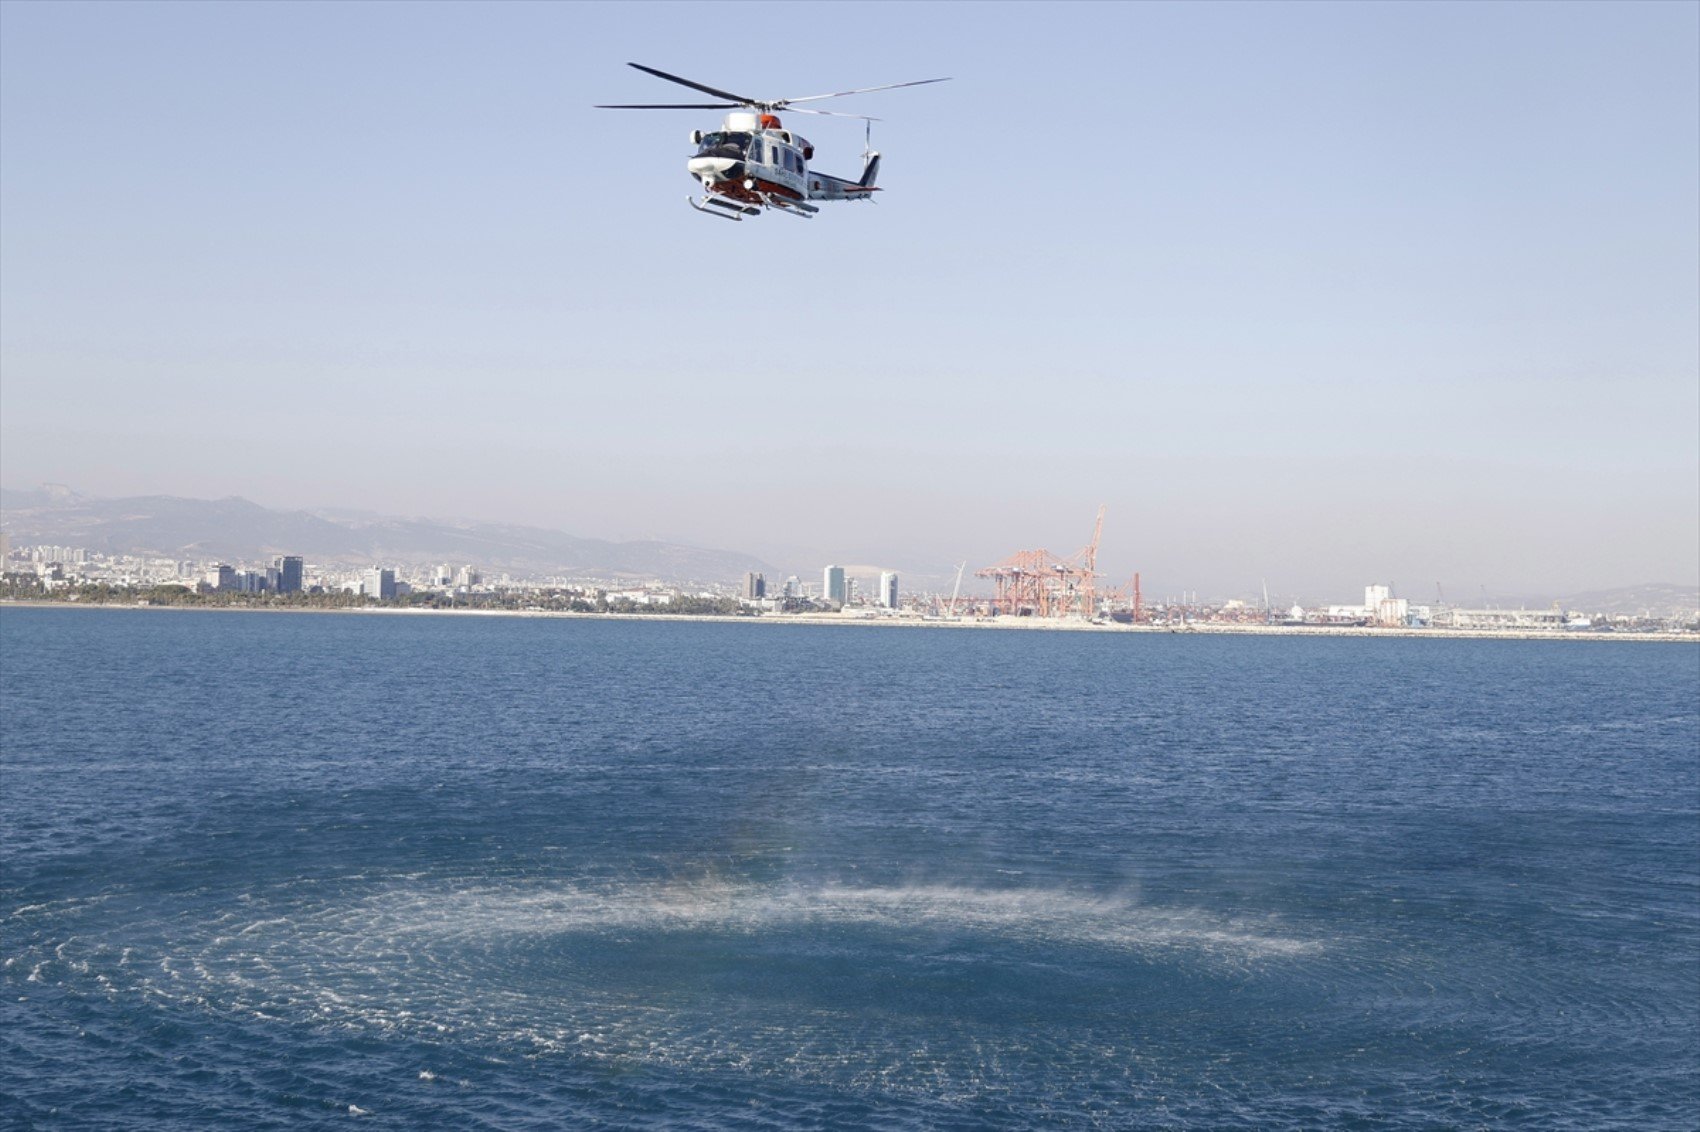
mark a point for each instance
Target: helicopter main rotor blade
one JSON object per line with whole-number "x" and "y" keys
{"x": 859, "y": 90}
{"x": 678, "y": 106}
{"x": 830, "y": 113}
{"x": 738, "y": 99}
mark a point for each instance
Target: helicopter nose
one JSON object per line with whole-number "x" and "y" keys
{"x": 714, "y": 168}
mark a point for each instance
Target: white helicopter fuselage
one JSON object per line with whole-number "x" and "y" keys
{"x": 753, "y": 160}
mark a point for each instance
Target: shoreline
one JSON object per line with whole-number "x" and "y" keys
{"x": 834, "y": 620}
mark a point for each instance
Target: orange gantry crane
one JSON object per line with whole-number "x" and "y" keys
{"x": 1037, "y": 583}
{"x": 1128, "y": 599}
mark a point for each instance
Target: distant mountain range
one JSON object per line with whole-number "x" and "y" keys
{"x": 236, "y": 530}
{"x": 1660, "y": 599}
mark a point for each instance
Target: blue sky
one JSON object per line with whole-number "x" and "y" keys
{"x": 1324, "y": 294}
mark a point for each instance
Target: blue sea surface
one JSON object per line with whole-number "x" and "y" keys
{"x": 275, "y": 871}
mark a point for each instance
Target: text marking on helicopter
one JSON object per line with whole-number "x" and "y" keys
{"x": 753, "y": 162}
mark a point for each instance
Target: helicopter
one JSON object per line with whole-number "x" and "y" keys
{"x": 754, "y": 163}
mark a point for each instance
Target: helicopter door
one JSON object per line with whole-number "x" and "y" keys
{"x": 787, "y": 167}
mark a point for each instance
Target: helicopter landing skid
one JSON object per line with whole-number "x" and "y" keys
{"x": 793, "y": 207}
{"x": 723, "y": 207}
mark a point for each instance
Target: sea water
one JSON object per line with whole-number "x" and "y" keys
{"x": 273, "y": 871}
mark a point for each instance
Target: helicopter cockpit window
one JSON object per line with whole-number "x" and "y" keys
{"x": 720, "y": 144}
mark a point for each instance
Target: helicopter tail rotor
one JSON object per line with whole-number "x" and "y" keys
{"x": 870, "y": 160}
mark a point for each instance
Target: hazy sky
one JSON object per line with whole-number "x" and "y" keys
{"x": 1324, "y": 294}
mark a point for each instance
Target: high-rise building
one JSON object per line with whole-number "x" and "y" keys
{"x": 379, "y": 584}
{"x": 226, "y": 577}
{"x": 755, "y": 586}
{"x": 467, "y": 577}
{"x": 833, "y": 587}
{"x": 290, "y": 570}
{"x": 888, "y": 589}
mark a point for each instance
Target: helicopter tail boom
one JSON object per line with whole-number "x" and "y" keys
{"x": 824, "y": 186}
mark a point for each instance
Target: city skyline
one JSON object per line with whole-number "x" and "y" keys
{"x": 62, "y": 574}
{"x": 1395, "y": 291}
{"x": 838, "y": 582}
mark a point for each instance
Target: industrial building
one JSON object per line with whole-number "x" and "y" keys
{"x": 1504, "y": 619}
